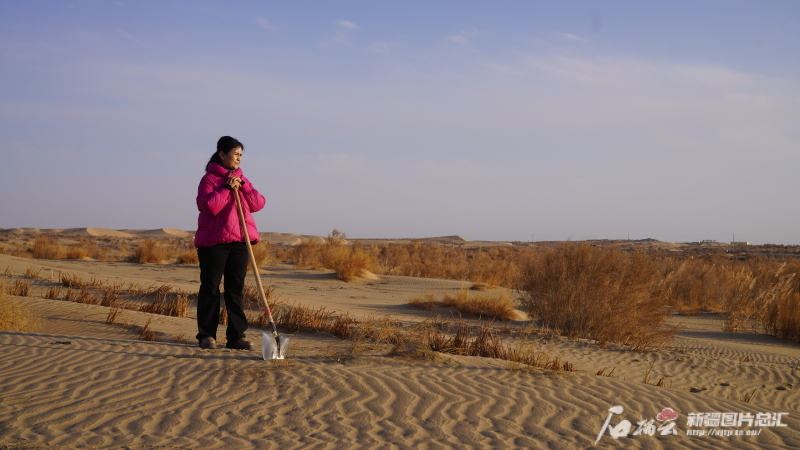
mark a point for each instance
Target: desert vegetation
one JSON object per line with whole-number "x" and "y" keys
{"x": 596, "y": 293}
{"x": 608, "y": 292}
{"x": 495, "y": 305}
{"x": 15, "y": 315}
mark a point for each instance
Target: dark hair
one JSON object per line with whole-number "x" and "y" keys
{"x": 225, "y": 144}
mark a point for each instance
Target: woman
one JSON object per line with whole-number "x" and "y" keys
{"x": 220, "y": 243}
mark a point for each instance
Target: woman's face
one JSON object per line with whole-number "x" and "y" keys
{"x": 232, "y": 159}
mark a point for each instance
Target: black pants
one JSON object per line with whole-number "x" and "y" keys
{"x": 229, "y": 260}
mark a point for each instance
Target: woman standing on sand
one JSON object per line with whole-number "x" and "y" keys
{"x": 220, "y": 243}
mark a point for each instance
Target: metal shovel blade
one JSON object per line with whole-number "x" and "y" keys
{"x": 270, "y": 349}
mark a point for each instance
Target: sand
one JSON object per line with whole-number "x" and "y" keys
{"x": 82, "y": 383}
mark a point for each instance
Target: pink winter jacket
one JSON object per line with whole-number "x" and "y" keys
{"x": 218, "y": 222}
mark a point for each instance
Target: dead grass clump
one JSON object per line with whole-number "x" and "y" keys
{"x": 461, "y": 339}
{"x": 114, "y": 314}
{"x": 31, "y": 272}
{"x": 146, "y": 327}
{"x": 71, "y": 280}
{"x": 87, "y": 296}
{"x": 20, "y": 288}
{"x": 342, "y": 326}
{"x": 16, "y": 316}
{"x": 427, "y": 302}
{"x": 111, "y": 294}
{"x": 495, "y": 305}
{"x": 149, "y": 251}
{"x": 596, "y": 293}
{"x": 45, "y": 247}
{"x": 296, "y": 318}
{"x": 251, "y": 299}
{"x": 53, "y": 293}
{"x": 165, "y": 304}
{"x": 150, "y": 336}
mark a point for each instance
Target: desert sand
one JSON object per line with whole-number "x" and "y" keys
{"x": 82, "y": 383}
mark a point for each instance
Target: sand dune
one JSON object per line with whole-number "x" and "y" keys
{"x": 81, "y": 383}
{"x": 160, "y": 232}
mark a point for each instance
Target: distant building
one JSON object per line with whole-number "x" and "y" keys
{"x": 708, "y": 241}
{"x": 740, "y": 243}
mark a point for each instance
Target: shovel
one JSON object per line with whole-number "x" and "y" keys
{"x": 272, "y": 347}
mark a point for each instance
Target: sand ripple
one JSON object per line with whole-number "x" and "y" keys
{"x": 110, "y": 393}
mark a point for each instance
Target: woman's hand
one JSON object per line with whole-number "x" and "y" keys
{"x": 234, "y": 182}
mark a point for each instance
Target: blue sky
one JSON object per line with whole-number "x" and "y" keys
{"x": 506, "y": 120}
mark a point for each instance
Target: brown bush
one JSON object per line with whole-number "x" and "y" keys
{"x": 596, "y": 293}
{"x": 45, "y": 247}
{"x": 149, "y": 251}
{"x": 188, "y": 256}
{"x": 262, "y": 252}
{"x": 76, "y": 252}
{"x": 347, "y": 262}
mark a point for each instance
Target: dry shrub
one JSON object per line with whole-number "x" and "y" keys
{"x": 20, "y": 288}
{"x": 347, "y": 262}
{"x": 307, "y": 255}
{"x": 149, "y": 251}
{"x": 495, "y": 266}
{"x": 263, "y": 254}
{"x": 342, "y": 326}
{"x": 783, "y": 318}
{"x": 45, "y": 247}
{"x": 596, "y": 293}
{"x": 16, "y": 316}
{"x": 188, "y": 256}
{"x": 71, "y": 280}
{"x": 9, "y": 272}
{"x": 770, "y": 302}
{"x": 53, "y": 293}
{"x": 31, "y": 272}
{"x": 76, "y": 252}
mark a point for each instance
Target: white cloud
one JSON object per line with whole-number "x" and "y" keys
{"x": 570, "y": 37}
{"x": 458, "y": 39}
{"x": 348, "y": 24}
{"x": 264, "y": 23}
{"x": 381, "y": 47}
